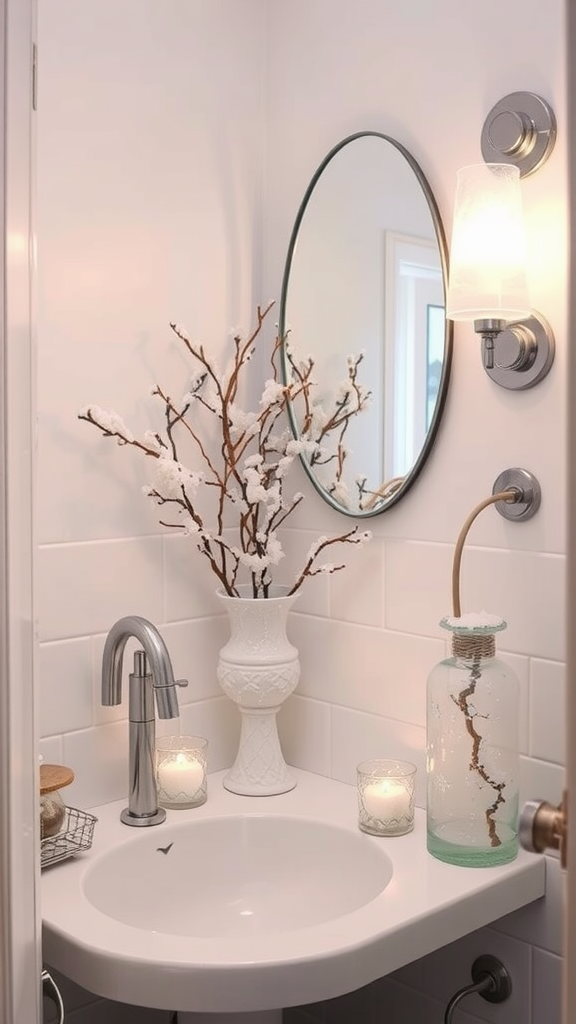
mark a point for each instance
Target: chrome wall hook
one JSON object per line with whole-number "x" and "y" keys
{"x": 526, "y": 494}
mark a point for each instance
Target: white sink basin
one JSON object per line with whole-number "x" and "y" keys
{"x": 237, "y": 876}
{"x": 260, "y": 902}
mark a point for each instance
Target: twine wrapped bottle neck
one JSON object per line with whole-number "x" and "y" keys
{"x": 473, "y": 647}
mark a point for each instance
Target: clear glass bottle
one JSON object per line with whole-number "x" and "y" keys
{"x": 472, "y": 749}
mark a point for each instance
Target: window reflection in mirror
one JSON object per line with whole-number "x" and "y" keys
{"x": 413, "y": 284}
{"x": 435, "y": 320}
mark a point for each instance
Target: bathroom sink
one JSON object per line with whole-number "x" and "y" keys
{"x": 237, "y": 876}
{"x": 251, "y": 904}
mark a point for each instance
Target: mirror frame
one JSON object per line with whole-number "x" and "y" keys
{"x": 416, "y": 469}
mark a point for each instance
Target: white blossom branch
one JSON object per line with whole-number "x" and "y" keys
{"x": 248, "y": 473}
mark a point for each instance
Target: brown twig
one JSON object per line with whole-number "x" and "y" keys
{"x": 461, "y": 701}
{"x": 476, "y": 764}
{"x": 255, "y": 489}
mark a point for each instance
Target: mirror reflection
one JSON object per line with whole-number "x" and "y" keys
{"x": 362, "y": 315}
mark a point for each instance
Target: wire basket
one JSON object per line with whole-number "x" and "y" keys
{"x": 75, "y": 835}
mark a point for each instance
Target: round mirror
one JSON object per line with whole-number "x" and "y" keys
{"x": 363, "y": 325}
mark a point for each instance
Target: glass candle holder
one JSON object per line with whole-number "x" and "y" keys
{"x": 181, "y": 771}
{"x": 386, "y": 797}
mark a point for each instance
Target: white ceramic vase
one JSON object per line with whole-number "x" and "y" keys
{"x": 258, "y": 669}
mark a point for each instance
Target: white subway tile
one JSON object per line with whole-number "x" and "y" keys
{"x": 357, "y": 736}
{"x": 189, "y": 584}
{"x": 521, "y": 666}
{"x": 547, "y": 710}
{"x": 410, "y": 974}
{"x": 99, "y": 760}
{"x": 84, "y": 588}
{"x": 418, "y": 592}
{"x": 193, "y": 647}
{"x": 357, "y": 592}
{"x": 65, "y": 686}
{"x": 51, "y": 750}
{"x": 219, "y": 721}
{"x": 310, "y": 1013}
{"x": 516, "y": 585}
{"x": 540, "y": 780}
{"x": 394, "y": 1002}
{"x": 540, "y": 922}
{"x": 105, "y": 1011}
{"x": 546, "y": 987}
{"x": 400, "y": 1004}
{"x": 352, "y": 1006}
{"x": 304, "y": 730}
{"x": 364, "y": 668}
{"x": 417, "y": 586}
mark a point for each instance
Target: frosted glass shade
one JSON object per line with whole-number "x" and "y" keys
{"x": 488, "y": 252}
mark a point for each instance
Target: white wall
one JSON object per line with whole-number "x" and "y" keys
{"x": 149, "y": 162}
{"x": 153, "y": 133}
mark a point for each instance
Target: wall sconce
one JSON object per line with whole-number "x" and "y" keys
{"x": 487, "y": 281}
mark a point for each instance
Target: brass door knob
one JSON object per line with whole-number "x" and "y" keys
{"x": 544, "y": 827}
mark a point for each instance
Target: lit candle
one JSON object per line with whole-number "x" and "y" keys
{"x": 181, "y": 777}
{"x": 386, "y": 799}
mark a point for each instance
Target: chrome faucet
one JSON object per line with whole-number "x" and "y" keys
{"x": 144, "y": 683}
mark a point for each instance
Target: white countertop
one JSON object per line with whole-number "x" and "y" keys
{"x": 426, "y": 905}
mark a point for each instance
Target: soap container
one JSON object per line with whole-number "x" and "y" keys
{"x": 53, "y": 778}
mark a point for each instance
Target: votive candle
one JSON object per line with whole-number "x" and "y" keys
{"x": 181, "y": 771}
{"x": 386, "y": 797}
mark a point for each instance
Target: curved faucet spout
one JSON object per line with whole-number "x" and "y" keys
{"x": 152, "y": 675}
{"x": 157, "y": 654}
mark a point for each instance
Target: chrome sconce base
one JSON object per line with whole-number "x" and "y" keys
{"x": 517, "y": 355}
{"x": 521, "y": 130}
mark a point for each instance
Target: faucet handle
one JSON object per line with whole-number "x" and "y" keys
{"x": 167, "y": 700}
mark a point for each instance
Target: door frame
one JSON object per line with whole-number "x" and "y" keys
{"x": 569, "y": 974}
{"x": 20, "y": 956}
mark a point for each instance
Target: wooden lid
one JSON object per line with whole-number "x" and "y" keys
{"x": 53, "y": 777}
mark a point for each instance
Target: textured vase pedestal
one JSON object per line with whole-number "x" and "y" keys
{"x": 258, "y": 669}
